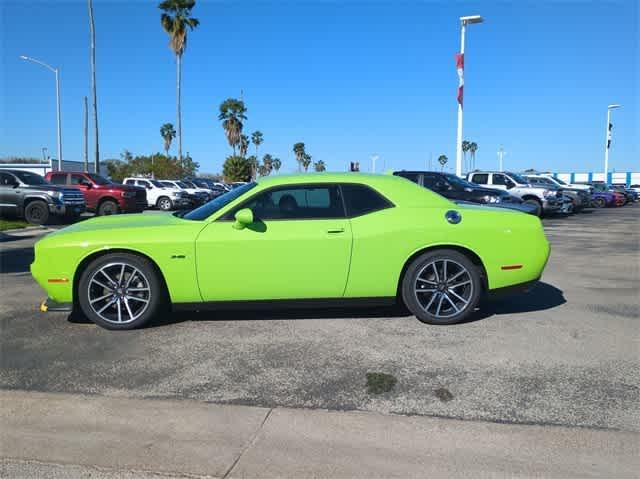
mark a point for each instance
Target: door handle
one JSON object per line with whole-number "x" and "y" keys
{"x": 335, "y": 230}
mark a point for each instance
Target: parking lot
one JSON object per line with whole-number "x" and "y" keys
{"x": 566, "y": 353}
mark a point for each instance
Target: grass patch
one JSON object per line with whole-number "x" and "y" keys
{"x": 12, "y": 224}
{"x": 378, "y": 383}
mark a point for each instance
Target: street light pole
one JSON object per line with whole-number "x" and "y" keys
{"x": 501, "y": 156}
{"x": 56, "y": 71}
{"x": 464, "y": 21}
{"x": 607, "y": 140}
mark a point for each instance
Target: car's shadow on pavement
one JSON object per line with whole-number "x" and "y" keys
{"x": 541, "y": 297}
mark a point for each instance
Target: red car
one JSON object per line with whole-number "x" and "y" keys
{"x": 619, "y": 198}
{"x": 101, "y": 195}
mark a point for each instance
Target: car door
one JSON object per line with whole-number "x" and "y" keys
{"x": 79, "y": 182}
{"x": 298, "y": 247}
{"x": 8, "y": 196}
{"x": 499, "y": 181}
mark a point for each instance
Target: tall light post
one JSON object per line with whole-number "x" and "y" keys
{"x": 464, "y": 21}
{"x": 374, "y": 158}
{"x": 607, "y": 141}
{"x": 54, "y": 70}
{"x": 501, "y": 158}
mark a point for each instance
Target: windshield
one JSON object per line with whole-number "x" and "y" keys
{"x": 182, "y": 184}
{"x": 30, "y": 178}
{"x": 456, "y": 180}
{"x": 157, "y": 184}
{"x": 518, "y": 179}
{"x": 98, "y": 180}
{"x": 188, "y": 184}
{"x": 221, "y": 201}
{"x": 545, "y": 180}
{"x": 560, "y": 181}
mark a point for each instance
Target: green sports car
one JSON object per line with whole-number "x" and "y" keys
{"x": 300, "y": 240}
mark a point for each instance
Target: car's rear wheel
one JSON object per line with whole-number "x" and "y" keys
{"x": 164, "y": 203}
{"x": 120, "y": 291}
{"x": 108, "y": 207}
{"x": 599, "y": 203}
{"x": 442, "y": 287}
{"x": 536, "y": 204}
{"x": 36, "y": 212}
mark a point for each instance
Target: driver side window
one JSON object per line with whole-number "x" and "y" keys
{"x": 295, "y": 203}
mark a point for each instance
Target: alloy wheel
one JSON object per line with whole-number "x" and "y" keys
{"x": 443, "y": 288}
{"x": 119, "y": 293}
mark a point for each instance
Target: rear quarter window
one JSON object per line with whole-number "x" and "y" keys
{"x": 361, "y": 200}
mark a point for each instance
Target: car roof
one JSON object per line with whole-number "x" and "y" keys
{"x": 397, "y": 189}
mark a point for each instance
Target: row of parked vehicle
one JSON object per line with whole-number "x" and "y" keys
{"x": 537, "y": 194}
{"x": 67, "y": 194}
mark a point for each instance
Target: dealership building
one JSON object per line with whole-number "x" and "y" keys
{"x": 628, "y": 177}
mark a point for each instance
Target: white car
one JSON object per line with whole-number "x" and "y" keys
{"x": 197, "y": 195}
{"x": 159, "y": 195}
{"x": 198, "y": 189}
{"x": 562, "y": 184}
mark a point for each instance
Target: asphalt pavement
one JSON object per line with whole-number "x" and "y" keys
{"x": 565, "y": 354}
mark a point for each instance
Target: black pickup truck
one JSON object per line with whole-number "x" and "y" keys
{"x": 28, "y": 195}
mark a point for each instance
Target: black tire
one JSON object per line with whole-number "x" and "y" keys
{"x": 164, "y": 203}
{"x": 537, "y": 204}
{"x": 36, "y": 212}
{"x": 429, "y": 314}
{"x": 89, "y": 288}
{"x": 599, "y": 203}
{"x": 108, "y": 207}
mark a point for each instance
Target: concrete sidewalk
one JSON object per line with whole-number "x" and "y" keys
{"x": 66, "y": 435}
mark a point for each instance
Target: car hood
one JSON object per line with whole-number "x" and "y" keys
{"x": 58, "y": 188}
{"x": 112, "y": 222}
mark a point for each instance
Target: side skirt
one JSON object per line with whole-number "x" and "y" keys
{"x": 287, "y": 304}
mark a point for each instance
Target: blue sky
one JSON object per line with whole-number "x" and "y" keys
{"x": 350, "y": 79}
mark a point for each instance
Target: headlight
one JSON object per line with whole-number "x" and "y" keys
{"x": 549, "y": 193}
{"x": 55, "y": 194}
{"x": 491, "y": 199}
{"x": 128, "y": 194}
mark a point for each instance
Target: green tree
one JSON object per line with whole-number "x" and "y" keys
{"x": 236, "y": 168}
{"x": 319, "y": 166}
{"x": 442, "y": 159}
{"x": 257, "y": 139}
{"x": 277, "y": 164}
{"x": 254, "y": 164}
{"x": 473, "y": 147}
{"x": 176, "y": 20}
{"x": 298, "y": 150}
{"x": 306, "y": 161}
{"x": 168, "y": 133}
{"x": 232, "y": 114}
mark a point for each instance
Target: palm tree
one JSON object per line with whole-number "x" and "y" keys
{"x": 168, "y": 133}
{"x": 306, "y": 161}
{"x": 96, "y": 159}
{"x": 465, "y": 148}
{"x": 442, "y": 159}
{"x": 267, "y": 161}
{"x": 244, "y": 145}
{"x": 473, "y": 147}
{"x": 298, "y": 149}
{"x": 277, "y": 164}
{"x": 319, "y": 166}
{"x": 176, "y": 19}
{"x": 256, "y": 139}
{"x": 254, "y": 164}
{"x": 232, "y": 113}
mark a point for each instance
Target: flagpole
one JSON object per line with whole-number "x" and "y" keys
{"x": 464, "y": 21}
{"x": 607, "y": 140}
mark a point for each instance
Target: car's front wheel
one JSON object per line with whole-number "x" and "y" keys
{"x": 599, "y": 203}
{"x": 36, "y": 212}
{"x": 164, "y": 203}
{"x": 536, "y": 204}
{"x": 442, "y": 287}
{"x": 120, "y": 291}
{"x": 108, "y": 207}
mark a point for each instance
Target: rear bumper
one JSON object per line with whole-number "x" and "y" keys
{"x": 51, "y": 306}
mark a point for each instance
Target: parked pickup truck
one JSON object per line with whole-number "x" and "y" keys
{"x": 547, "y": 200}
{"x": 28, "y": 195}
{"x": 102, "y": 195}
{"x": 580, "y": 197}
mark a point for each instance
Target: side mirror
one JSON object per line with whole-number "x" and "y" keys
{"x": 244, "y": 218}
{"x": 15, "y": 185}
{"x": 88, "y": 185}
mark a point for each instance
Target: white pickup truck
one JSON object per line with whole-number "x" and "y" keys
{"x": 547, "y": 200}
{"x": 159, "y": 195}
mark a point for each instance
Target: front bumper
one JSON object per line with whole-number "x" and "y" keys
{"x": 551, "y": 205}
{"x": 65, "y": 209}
